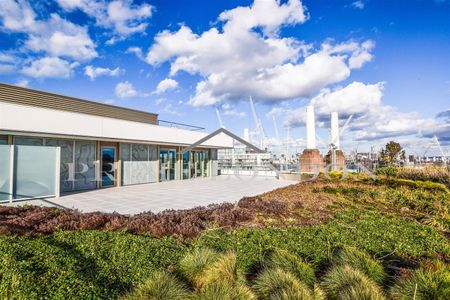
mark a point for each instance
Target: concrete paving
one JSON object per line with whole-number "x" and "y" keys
{"x": 156, "y": 197}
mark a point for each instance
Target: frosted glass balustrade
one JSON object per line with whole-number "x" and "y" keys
{"x": 35, "y": 171}
{"x": 5, "y": 172}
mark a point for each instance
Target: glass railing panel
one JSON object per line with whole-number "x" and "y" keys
{"x": 35, "y": 171}
{"x": 5, "y": 172}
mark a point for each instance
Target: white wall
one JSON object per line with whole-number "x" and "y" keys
{"x": 14, "y": 117}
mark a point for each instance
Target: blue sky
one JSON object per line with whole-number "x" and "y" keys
{"x": 386, "y": 63}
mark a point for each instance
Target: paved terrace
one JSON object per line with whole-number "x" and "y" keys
{"x": 156, "y": 197}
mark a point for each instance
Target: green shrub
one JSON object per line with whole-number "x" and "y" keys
{"x": 194, "y": 263}
{"x": 222, "y": 276}
{"x": 291, "y": 263}
{"x": 387, "y": 171}
{"x": 105, "y": 264}
{"x": 160, "y": 285}
{"x": 345, "y": 282}
{"x": 360, "y": 261}
{"x": 368, "y": 231}
{"x": 427, "y": 282}
{"x": 428, "y": 185}
{"x": 276, "y": 284}
{"x": 223, "y": 269}
{"x": 225, "y": 292}
{"x": 81, "y": 264}
{"x": 434, "y": 174}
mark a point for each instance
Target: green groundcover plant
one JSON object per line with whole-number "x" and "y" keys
{"x": 107, "y": 265}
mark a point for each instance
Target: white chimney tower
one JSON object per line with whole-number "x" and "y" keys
{"x": 310, "y": 128}
{"x": 335, "y": 129}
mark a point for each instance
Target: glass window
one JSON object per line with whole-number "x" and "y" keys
{"x": 85, "y": 154}
{"x": 186, "y": 165}
{"x": 28, "y": 141}
{"x": 139, "y": 163}
{"x": 3, "y": 140}
{"x": 206, "y": 163}
{"x": 66, "y": 159}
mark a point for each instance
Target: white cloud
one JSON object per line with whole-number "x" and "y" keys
{"x": 63, "y": 38}
{"x": 122, "y": 16}
{"x": 444, "y": 115}
{"x": 137, "y": 51}
{"x": 55, "y": 36}
{"x": 49, "y": 67}
{"x": 269, "y": 15}
{"x": 372, "y": 120}
{"x": 23, "y": 82}
{"x": 125, "y": 90}
{"x": 166, "y": 85}
{"x": 7, "y": 58}
{"x": 18, "y": 16}
{"x": 355, "y": 98}
{"x": 359, "y": 4}
{"x": 168, "y": 109}
{"x": 237, "y": 60}
{"x": 126, "y": 18}
{"x": 7, "y": 63}
{"x": 7, "y": 68}
{"x": 231, "y": 111}
{"x": 94, "y": 72}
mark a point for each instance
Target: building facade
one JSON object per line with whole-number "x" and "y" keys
{"x": 102, "y": 145}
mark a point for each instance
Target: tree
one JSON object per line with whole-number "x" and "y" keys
{"x": 393, "y": 154}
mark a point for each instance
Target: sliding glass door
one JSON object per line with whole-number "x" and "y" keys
{"x": 167, "y": 163}
{"x": 108, "y": 169}
{"x": 199, "y": 164}
{"x": 186, "y": 165}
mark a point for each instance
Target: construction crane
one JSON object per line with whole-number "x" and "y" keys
{"x": 219, "y": 118}
{"x": 444, "y": 156}
{"x": 259, "y": 129}
{"x": 275, "y": 126}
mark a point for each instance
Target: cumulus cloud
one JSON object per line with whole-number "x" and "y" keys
{"x": 22, "y": 82}
{"x": 169, "y": 109}
{"x": 229, "y": 110}
{"x": 94, "y": 72}
{"x": 18, "y": 16}
{"x": 7, "y": 63}
{"x": 122, "y": 16}
{"x": 359, "y": 4}
{"x": 137, "y": 51}
{"x": 441, "y": 129}
{"x": 386, "y": 122}
{"x": 444, "y": 115}
{"x": 49, "y": 67}
{"x": 55, "y": 36}
{"x": 372, "y": 120}
{"x": 166, "y": 85}
{"x": 246, "y": 56}
{"x": 355, "y": 98}
{"x": 125, "y": 90}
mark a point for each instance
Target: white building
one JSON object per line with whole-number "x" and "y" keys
{"x": 99, "y": 145}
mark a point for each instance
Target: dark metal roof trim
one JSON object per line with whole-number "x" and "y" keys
{"x": 218, "y": 131}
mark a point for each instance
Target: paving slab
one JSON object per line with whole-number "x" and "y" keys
{"x": 156, "y": 197}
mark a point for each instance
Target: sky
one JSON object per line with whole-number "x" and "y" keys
{"x": 385, "y": 64}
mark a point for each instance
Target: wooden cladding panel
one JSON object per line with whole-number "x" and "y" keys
{"x": 24, "y": 96}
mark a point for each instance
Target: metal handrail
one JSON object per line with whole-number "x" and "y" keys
{"x": 175, "y": 124}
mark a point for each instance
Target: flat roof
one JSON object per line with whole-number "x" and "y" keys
{"x": 26, "y": 96}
